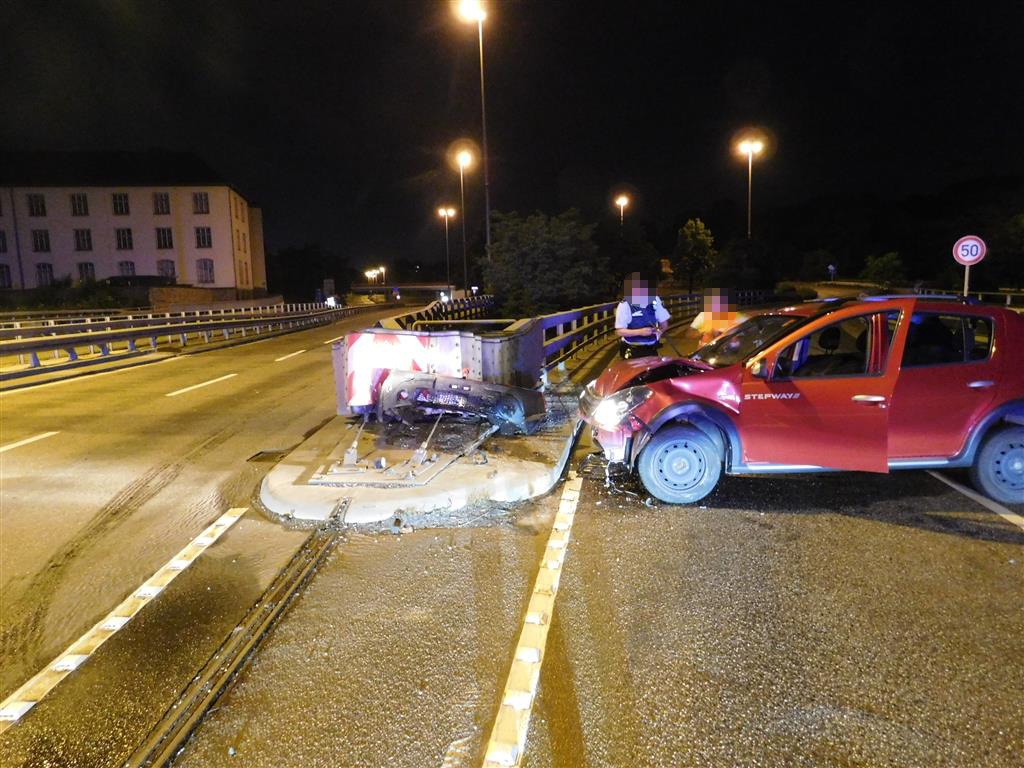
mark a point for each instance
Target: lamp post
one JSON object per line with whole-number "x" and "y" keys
{"x": 446, "y": 213}
{"x": 750, "y": 147}
{"x": 464, "y": 159}
{"x": 622, "y": 201}
{"x": 473, "y": 11}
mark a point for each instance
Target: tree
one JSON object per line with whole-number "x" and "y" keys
{"x": 627, "y": 250}
{"x": 540, "y": 264}
{"x": 742, "y": 263}
{"x": 695, "y": 252}
{"x": 815, "y": 264}
{"x": 885, "y": 270}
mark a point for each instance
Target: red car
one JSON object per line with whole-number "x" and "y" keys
{"x": 890, "y": 382}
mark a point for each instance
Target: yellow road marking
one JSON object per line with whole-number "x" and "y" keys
{"x": 14, "y": 707}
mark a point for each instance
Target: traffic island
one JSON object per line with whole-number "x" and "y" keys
{"x": 357, "y": 472}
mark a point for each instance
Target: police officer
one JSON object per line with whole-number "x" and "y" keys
{"x": 640, "y": 319}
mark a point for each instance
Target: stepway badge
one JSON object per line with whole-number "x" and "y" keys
{"x": 772, "y": 396}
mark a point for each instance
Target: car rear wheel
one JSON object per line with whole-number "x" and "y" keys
{"x": 998, "y": 469}
{"x": 680, "y": 465}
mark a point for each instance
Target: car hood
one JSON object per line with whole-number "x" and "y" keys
{"x": 645, "y": 370}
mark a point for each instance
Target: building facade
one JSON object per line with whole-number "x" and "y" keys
{"x": 66, "y": 215}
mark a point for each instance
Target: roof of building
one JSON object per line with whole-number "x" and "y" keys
{"x": 105, "y": 169}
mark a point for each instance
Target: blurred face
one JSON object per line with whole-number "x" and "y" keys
{"x": 717, "y": 302}
{"x": 637, "y": 291}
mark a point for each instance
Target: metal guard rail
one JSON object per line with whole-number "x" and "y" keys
{"x": 31, "y": 321}
{"x": 566, "y": 333}
{"x": 454, "y": 309}
{"x": 131, "y": 336}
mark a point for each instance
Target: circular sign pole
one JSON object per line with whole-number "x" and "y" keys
{"x": 969, "y": 250}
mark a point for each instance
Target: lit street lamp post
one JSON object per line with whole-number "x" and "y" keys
{"x": 750, "y": 147}
{"x": 464, "y": 159}
{"x": 447, "y": 213}
{"x": 470, "y": 11}
{"x": 622, "y": 201}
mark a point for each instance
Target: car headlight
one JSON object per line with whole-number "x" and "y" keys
{"x": 609, "y": 413}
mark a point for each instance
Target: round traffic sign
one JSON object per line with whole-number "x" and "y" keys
{"x": 969, "y": 250}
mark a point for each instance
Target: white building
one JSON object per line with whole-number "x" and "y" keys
{"x": 96, "y": 215}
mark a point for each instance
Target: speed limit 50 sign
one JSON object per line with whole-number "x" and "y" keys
{"x": 969, "y": 250}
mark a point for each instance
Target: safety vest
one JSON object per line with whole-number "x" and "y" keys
{"x": 642, "y": 317}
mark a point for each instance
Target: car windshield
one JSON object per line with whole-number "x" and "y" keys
{"x": 746, "y": 338}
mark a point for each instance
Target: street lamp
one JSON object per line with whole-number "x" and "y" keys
{"x": 446, "y": 213}
{"x": 622, "y": 201}
{"x": 473, "y": 11}
{"x": 383, "y": 275}
{"x": 750, "y": 147}
{"x": 465, "y": 159}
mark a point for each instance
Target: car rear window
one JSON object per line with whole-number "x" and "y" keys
{"x": 942, "y": 339}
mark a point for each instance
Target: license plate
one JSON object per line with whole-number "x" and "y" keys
{"x": 449, "y": 398}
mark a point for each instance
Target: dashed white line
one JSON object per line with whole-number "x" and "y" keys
{"x": 27, "y": 440}
{"x": 336, "y": 338}
{"x": 87, "y": 377}
{"x": 14, "y": 707}
{"x": 507, "y": 742}
{"x": 177, "y": 392}
{"x": 285, "y": 357}
{"x": 994, "y": 506}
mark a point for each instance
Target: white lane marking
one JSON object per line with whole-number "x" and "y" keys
{"x": 27, "y": 440}
{"x": 177, "y": 392}
{"x": 87, "y": 377}
{"x": 994, "y": 506}
{"x": 508, "y": 736}
{"x": 285, "y": 357}
{"x": 336, "y": 338}
{"x": 32, "y": 692}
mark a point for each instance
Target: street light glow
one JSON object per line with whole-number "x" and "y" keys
{"x": 472, "y": 11}
{"x": 622, "y": 201}
{"x": 446, "y": 213}
{"x": 751, "y": 147}
{"x": 464, "y": 159}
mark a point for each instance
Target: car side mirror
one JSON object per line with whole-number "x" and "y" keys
{"x": 759, "y": 369}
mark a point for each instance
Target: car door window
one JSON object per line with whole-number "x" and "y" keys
{"x": 840, "y": 349}
{"x": 940, "y": 339}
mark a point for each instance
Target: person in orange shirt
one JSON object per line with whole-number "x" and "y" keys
{"x": 719, "y": 315}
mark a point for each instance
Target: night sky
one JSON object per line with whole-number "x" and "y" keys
{"x": 335, "y": 116}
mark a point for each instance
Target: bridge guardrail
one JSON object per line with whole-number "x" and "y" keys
{"x": 566, "y": 333}
{"x": 152, "y": 327}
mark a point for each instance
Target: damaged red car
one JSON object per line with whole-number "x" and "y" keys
{"x": 872, "y": 385}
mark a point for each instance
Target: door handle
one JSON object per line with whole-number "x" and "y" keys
{"x": 981, "y": 384}
{"x": 868, "y": 399}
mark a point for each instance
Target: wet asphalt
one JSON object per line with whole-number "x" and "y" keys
{"x": 818, "y": 620}
{"x": 814, "y": 621}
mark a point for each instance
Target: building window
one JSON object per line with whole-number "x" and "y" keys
{"x": 86, "y": 271}
{"x": 36, "y": 205}
{"x": 124, "y": 239}
{"x": 83, "y": 239}
{"x": 126, "y": 268}
{"x": 3, "y": 241}
{"x": 164, "y": 238}
{"x": 165, "y": 267}
{"x": 41, "y": 240}
{"x": 204, "y": 270}
{"x": 200, "y": 202}
{"x": 5, "y": 276}
{"x": 79, "y": 204}
{"x": 204, "y": 238}
{"x": 120, "y": 200}
{"x": 161, "y": 203}
{"x": 44, "y": 275}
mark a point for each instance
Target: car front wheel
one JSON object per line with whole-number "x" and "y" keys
{"x": 998, "y": 469}
{"x": 680, "y": 465}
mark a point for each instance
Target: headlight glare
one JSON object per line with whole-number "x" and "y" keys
{"x": 610, "y": 412}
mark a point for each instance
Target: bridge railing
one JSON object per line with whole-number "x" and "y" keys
{"x": 566, "y": 333}
{"x": 1005, "y": 298}
{"x": 102, "y": 334}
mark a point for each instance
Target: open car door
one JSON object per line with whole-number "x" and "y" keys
{"x": 820, "y": 397}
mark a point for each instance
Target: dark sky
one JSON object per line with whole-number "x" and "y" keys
{"x": 335, "y": 116}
